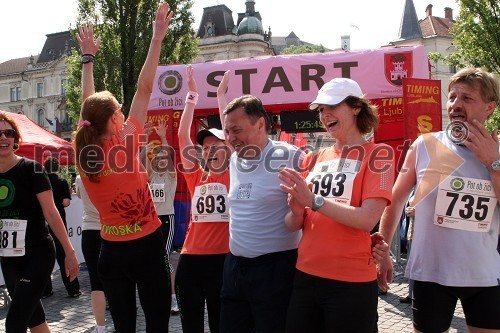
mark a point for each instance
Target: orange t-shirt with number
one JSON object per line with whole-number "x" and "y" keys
{"x": 332, "y": 250}
{"x": 122, "y": 196}
{"x": 207, "y": 237}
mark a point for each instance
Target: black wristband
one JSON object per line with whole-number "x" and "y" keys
{"x": 86, "y": 58}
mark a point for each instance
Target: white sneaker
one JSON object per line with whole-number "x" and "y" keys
{"x": 174, "y": 309}
{"x": 105, "y": 330}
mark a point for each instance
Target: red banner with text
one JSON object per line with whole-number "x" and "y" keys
{"x": 422, "y": 107}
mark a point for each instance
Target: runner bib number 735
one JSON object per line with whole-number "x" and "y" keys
{"x": 465, "y": 204}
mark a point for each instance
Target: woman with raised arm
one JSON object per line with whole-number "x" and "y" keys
{"x": 199, "y": 272}
{"x": 133, "y": 252}
{"x": 163, "y": 184}
{"x": 27, "y": 251}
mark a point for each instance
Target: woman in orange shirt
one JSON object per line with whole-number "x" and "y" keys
{"x": 335, "y": 287}
{"x": 132, "y": 251}
{"x": 199, "y": 271}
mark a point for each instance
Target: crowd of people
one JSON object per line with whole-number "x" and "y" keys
{"x": 278, "y": 238}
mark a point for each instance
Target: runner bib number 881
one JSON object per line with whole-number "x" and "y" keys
{"x": 12, "y": 237}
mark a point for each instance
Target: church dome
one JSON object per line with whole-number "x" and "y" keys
{"x": 250, "y": 25}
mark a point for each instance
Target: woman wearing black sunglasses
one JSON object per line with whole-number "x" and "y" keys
{"x": 27, "y": 251}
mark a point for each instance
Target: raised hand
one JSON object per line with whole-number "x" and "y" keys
{"x": 85, "y": 38}
{"x": 162, "y": 20}
{"x": 161, "y": 129}
{"x": 222, "y": 88}
{"x": 147, "y": 128}
{"x": 191, "y": 81}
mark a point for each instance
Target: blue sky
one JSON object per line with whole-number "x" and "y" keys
{"x": 369, "y": 23}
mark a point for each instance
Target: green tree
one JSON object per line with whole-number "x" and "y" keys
{"x": 477, "y": 33}
{"x": 298, "y": 49}
{"x": 125, "y": 27}
{"x": 494, "y": 121}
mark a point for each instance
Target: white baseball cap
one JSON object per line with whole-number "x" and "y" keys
{"x": 335, "y": 92}
{"x": 219, "y": 134}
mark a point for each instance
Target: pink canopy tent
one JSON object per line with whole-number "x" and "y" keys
{"x": 37, "y": 143}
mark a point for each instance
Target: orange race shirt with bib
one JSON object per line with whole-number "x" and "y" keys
{"x": 122, "y": 196}
{"x": 208, "y": 231}
{"x": 328, "y": 248}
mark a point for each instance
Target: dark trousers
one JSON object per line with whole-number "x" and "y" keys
{"x": 199, "y": 279}
{"x": 256, "y": 292}
{"x": 72, "y": 287}
{"x": 26, "y": 278}
{"x": 91, "y": 248}
{"x": 141, "y": 263}
{"x": 325, "y": 305}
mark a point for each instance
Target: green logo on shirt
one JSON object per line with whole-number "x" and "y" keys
{"x": 7, "y": 192}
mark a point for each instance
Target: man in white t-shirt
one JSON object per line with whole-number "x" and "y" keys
{"x": 456, "y": 174}
{"x": 258, "y": 272}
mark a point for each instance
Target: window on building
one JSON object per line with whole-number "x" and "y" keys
{"x": 15, "y": 94}
{"x": 41, "y": 117}
{"x": 453, "y": 69}
{"x": 63, "y": 86}
{"x": 39, "y": 89}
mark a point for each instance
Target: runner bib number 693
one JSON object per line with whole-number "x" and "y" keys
{"x": 465, "y": 204}
{"x": 334, "y": 179}
{"x": 209, "y": 203}
{"x": 12, "y": 237}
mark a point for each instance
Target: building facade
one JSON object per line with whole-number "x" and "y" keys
{"x": 433, "y": 33}
{"x": 35, "y": 86}
{"x": 221, "y": 39}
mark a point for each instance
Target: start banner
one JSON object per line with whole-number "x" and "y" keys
{"x": 290, "y": 79}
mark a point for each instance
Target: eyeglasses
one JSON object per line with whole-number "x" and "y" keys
{"x": 9, "y": 133}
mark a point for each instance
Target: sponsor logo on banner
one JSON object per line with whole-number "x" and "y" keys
{"x": 170, "y": 82}
{"x": 422, "y": 106}
{"x": 397, "y": 67}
